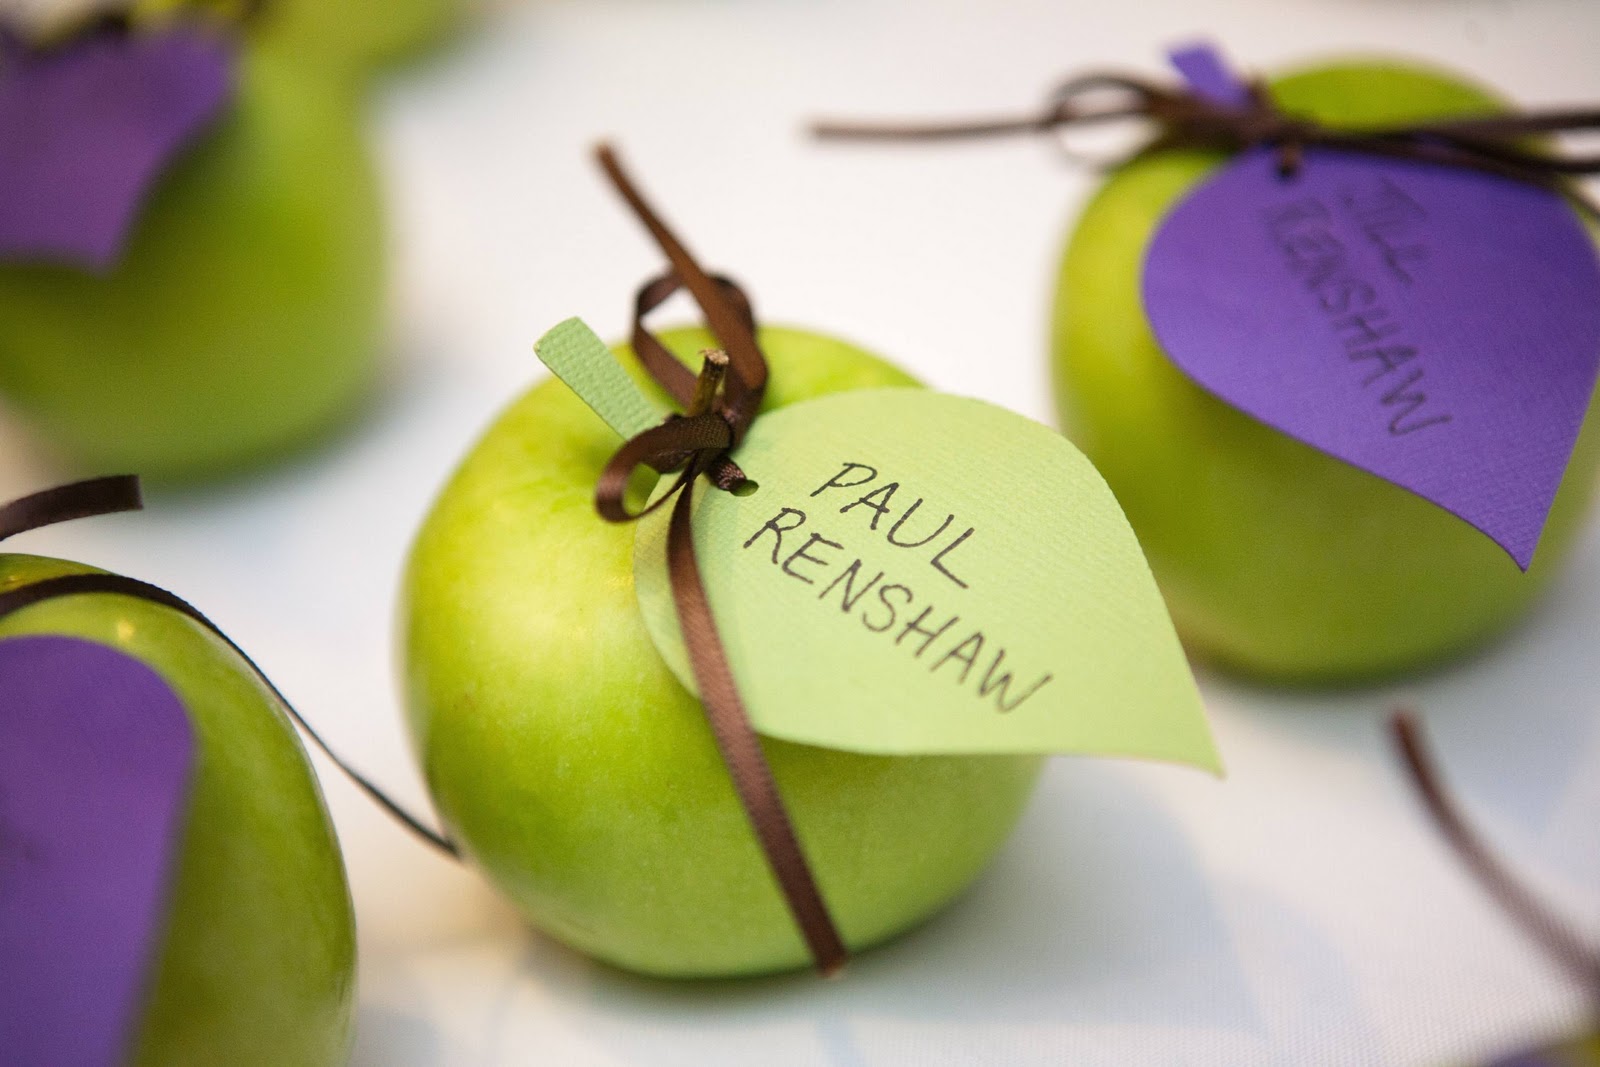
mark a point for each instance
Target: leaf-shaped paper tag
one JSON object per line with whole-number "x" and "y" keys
{"x": 1436, "y": 326}
{"x": 95, "y": 757}
{"x": 921, "y": 573}
{"x": 87, "y": 128}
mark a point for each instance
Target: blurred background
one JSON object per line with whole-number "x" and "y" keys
{"x": 1301, "y": 912}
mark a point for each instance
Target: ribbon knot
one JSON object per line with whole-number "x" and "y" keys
{"x": 691, "y": 444}
{"x": 1193, "y": 118}
{"x": 1188, "y": 118}
{"x": 719, "y": 405}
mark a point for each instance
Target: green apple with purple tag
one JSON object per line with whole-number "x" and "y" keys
{"x": 192, "y": 270}
{"x": 244, "y": 950}
{"x": 555, "y": 718}
{"x": 1277, "y": 558}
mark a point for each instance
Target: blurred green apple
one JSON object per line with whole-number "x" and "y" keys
{"x": 356, "y": 34}
{"x": 244, "y": 316}
{"x": 257, "y": 964}
{"x": 583, "y": 778}
{"x": 1276, "y": 559}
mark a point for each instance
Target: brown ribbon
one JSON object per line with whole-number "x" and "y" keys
{"x": 1185, "y": 119}
{"x": 105, "y": 496}
{"x": 694, "y": 444}
{"x": 1555, "y": 936}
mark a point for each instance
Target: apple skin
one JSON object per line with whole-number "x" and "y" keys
{"x": 583, "y": 778}
{"x": 244, "y": 317}
{"x": 1276, "y": 560}
{"x": 357, "y": 35}
{"x": 257, "y": 964}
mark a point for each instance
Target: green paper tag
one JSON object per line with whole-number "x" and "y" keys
{"x": 920, "y": 573}
{"x": 579, "y": 358}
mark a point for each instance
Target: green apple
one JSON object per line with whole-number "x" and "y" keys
{"x": 1276, "y": 559}
{"x": 583, "y": 778}
{"x": 356, "y": 34}
{"x": 243, "y": 318}
{"x": 257, "y": 964}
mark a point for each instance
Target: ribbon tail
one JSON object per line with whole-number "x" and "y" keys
{"x": 19, "y": 597}
{"x": 671, "y": 375}
{"x": 78, "y": 500}
{"x": 729, "y": 319}
{"x": 1560, "y": 941}
{"x": 741, "y": 748}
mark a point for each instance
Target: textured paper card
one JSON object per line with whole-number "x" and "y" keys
{"x": 579, "y": 358}
{"x": 920, "y": 573}
{"x": 1435, "y": 326}
{"x": 1203, "y": 68}
{"x": 95, "y": 758}
{"x": 88, "y": 128}
{"x": 916, "y": 573}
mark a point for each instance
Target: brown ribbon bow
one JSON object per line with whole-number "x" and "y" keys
{"x": 719, "y": 407}
{"x": 1185, "y": 119}
{"x": 106, "y": 496}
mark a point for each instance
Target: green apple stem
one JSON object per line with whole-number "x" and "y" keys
{"x": 712, "y": 372}
{"x": 1554, "y": 935}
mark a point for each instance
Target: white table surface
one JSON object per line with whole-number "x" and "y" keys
{"x": 1302, "y": 912}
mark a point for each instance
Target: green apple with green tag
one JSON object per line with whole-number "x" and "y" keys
{"x": 1277, "y": 560}
{"x": 555, "y": 718}
{"x": 243, "y": 317}
{"x": 577, "y": 771}
{"x": 257, "y": 961}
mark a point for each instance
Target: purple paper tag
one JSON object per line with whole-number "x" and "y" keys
{"x": 86, "y": 130}
{"x": 95, "y": 756}
{"x": 1203, "y": 68}
{"x": 1438, "y": 327}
